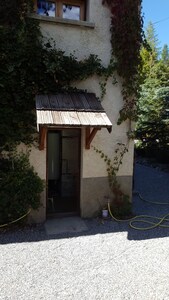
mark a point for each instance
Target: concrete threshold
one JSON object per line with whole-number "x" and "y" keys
{"x": 65, "y": 225}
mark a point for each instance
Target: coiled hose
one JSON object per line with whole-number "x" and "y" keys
{"x": 152, "y": 221}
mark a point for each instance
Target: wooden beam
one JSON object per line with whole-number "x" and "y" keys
{"x": 87, "y": 136}
{"x": 42, "y": 138}
{"x": 109, "y": 129}
{"x": 90, "y": 136}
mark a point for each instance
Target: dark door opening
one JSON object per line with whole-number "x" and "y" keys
{"x": 63, "y": 171}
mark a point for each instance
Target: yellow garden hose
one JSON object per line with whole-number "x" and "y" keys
{"x": 158, "y": 221}
{"x": 17, "y": 220}
{"x": 153, "y": 223}
{"x": 149, "y": 201}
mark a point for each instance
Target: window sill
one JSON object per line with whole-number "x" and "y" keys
{"x": 56, "y": 20}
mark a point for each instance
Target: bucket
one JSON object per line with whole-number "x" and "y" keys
{"x": 104, "y": 213}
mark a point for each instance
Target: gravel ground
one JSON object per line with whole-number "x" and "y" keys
{"x": 108, "y": 261}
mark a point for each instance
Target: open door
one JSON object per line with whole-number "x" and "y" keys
{"x": 63, "y": 171}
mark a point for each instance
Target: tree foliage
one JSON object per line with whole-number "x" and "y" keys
{"x": 20, "y": 187}
{"x": 149, "y": 53}
{"x": 165, "y": 54}
{"x": 127, "y": 37}
{"x": 152, "y": 126}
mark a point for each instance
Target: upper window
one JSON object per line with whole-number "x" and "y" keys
{"x": 70, "y": 9}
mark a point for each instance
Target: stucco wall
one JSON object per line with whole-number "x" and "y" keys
{"x": 38, "y": 161}
{"x": 93, "y": 165}
{"x": 80, "y": 40}
{"x": 83, "y": 41}
{"x": 94, "y": 192}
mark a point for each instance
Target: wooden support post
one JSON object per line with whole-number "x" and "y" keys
{"x": 87, "y": 137}
{"x": 42, "y": 138}
{"x": 109, "y": 129}
{"x": 90, "y": 136}
{"x": 35, "y": 6}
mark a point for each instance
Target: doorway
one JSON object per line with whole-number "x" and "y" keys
{"x": 63, "y": 171}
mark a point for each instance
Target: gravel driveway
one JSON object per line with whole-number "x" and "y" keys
{"x": 108, "y": 261}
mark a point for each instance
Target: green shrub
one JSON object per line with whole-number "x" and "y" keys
{"x": 122, "y": 209}
{"x": 20, "y": 187}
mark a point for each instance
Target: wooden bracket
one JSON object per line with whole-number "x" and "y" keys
{"x": 42, "y": 135}
{"x": 90, "y": 136}
{"x": 109, "y": 129}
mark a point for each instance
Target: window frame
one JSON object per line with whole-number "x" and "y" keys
{"x": 59, "y": 5}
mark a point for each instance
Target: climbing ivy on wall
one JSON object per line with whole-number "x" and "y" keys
{"x": 31, "y": 65}
{"x": 127, "y": 37}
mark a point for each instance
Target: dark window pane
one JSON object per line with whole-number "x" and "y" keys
{"x": 46, "y": 8}
{"x": 71, "y": 12}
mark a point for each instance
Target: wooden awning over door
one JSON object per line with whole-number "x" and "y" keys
{"x": 71, "y": 110}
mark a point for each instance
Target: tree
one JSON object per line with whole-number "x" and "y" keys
{"x": 152, "y": 126}
{"x": 152, "y": 40}
{"x": 150, "y": 53}
{"x": 165, "y": 54}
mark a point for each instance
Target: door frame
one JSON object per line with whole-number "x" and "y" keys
{"x": 79, "y": 171}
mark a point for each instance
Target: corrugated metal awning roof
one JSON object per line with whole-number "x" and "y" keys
{"x": 72, "y": 109}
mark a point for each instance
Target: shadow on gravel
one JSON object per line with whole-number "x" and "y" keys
{"x": 152, "y": 184}
{"x": 95, "y": 227}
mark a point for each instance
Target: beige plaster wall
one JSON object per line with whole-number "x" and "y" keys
{"x": 93, "y": 165}
{"x": 82, "y": 42}
{"x": 38, "y": 161}
{"x": 94, "y": 192}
